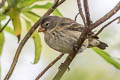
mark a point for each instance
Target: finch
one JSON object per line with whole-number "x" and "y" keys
{"x": 62, "y": 34}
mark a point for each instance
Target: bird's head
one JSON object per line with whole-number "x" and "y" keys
{"x": 48, "y": 23}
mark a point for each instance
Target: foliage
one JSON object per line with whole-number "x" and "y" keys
{"x": 22, "y": 9}
{"x": 106, "y": 56}
{"x": 2, "y": 40}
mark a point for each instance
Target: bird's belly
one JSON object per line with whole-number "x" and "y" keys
{"x": 61, "y": 44}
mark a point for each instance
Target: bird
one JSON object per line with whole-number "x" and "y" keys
{"x": 62, "y": 34}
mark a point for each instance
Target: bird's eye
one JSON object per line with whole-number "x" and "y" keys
{"x": 47, "y": 24}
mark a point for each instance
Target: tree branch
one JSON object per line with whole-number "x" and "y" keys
{"x": 2, "y": 3}
{"x": 106, "y": 26}
{"x": 107, "y": 16}
{"x": 60, "y": 2}
{"x": 87, "y": 13}
{"x": 5, "y": 25}
{"x": 49, "y": 66}
{"x": 80, "y": 11}
{"x": 22, "y": 43}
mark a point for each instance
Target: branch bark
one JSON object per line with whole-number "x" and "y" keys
{"x": 87, "y": 13}
{"x": 49, "y": 66}
{"x": 64, "y": 66}
{"x": 5, "y": 25}
{"x": 80, "y": 11}
{"x": 107, "y": 16}
{"x": 22, "y": 43}
{"x": 106, "y": 25}
{"x": 76, "y": 16}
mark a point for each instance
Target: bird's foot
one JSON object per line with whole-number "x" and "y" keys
{"x": 62, "y": 65}
{"x": 75, "y": 47}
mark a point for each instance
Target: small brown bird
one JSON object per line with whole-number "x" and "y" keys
{"x": 62, "y": 34}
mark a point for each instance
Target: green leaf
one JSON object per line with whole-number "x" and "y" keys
{"x": 34, "y": 14}
{"x": 10, "y": 30}
{"x": 30, "y": 16}
{"x": 57, "y": 13}
{"x": 37, "y": 42}
{"x": 28, "y": 24}
{"x": 38, "y": 47}
{"x": 13, "y": 3}
{"x": 15, "y": 16}
{"x": 2, "y": 14}
{"x": 47, "y": 6}
{"x": 2, "y": 17}
{"x": 107, "y": 57}
{"x": 26, "y": 3}
{"x": 2, "y": 40}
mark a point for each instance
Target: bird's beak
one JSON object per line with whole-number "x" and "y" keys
{"x": 41, "y": 29}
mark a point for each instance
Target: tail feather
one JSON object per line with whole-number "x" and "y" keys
{"x": 93, "y": 42}
{"x": 102, "y": 45}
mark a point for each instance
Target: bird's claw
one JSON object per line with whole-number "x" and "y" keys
{"x": 62, "y": 65}
{"x": 75, "y": 47}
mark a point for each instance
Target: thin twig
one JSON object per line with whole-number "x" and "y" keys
{"x": 87, "y": 13}
{"x": 22, "y": 43}
{"x": 5, "y": 25}
{"x": 76, "y": 16}
{"x": 106, "y": 26}
{"x": 2, "y": 3}
{"x": 81, "y": 12}
{"x": 49, "y": 66}
{"x": 51, "y": 9}
{"x": 60, "y": 2}
{"x": 106, "y": 17}
{"x": 56, "y": 4}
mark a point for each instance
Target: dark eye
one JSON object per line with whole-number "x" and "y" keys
{"x": 47, "y": 24}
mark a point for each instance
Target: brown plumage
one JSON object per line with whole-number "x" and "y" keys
{"x": 62, "y": 34}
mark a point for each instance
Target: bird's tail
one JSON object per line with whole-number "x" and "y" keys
{"x": 93, "y": 42}
{"x": 102, "y": 45}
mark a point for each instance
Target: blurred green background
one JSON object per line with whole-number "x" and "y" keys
{"x": 88, "y": 65}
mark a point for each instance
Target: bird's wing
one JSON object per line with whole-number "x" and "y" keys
{"x": 76, "y": 27}
{"x": 70, "y": 24}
